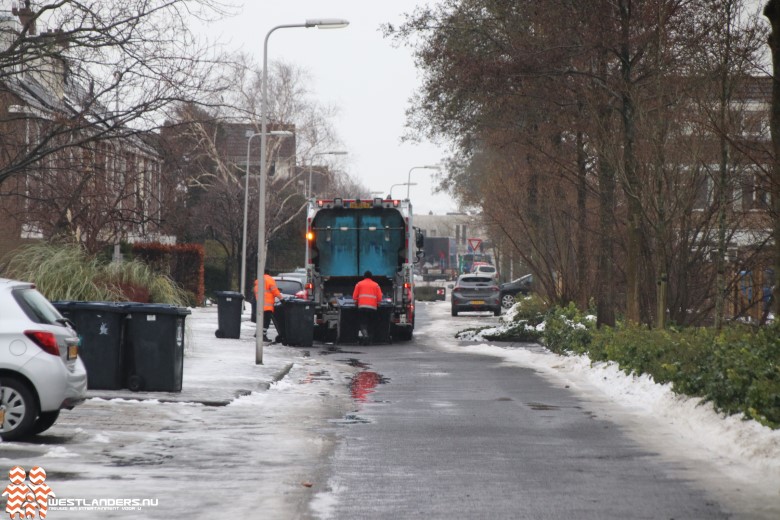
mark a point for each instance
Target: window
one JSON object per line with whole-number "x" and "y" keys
{"x": 754, "y": 191}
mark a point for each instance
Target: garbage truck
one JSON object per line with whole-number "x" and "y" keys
{"x": 344, "y": 239}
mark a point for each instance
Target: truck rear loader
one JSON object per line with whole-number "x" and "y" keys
{"x": 344, "y": 239}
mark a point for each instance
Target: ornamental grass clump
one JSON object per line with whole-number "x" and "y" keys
{"x": 67, "y": 272}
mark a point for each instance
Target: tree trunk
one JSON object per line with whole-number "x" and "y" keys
{"x": 582, "y": 227}
{"x": 631, "y": 184}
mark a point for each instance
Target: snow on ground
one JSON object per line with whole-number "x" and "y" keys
{"x": 736, "y": 457}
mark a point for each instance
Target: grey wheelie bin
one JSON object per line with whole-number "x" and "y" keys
{"x": 229, "y": 307}
{"x": 155, "y": 342}
{"x": 101, "y": 327}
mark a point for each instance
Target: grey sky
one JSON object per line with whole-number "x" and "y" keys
{"x": 358, "y": 70}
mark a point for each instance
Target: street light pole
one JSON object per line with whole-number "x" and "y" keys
{"x": 311, "y": 167}
{"x": 250, "y": 135}
{"x": 401, "y": 184}
{"x": 322, "y": 24}
{"x": 409, "y": 175}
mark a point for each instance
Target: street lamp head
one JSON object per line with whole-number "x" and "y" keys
{"x": 327, "y": 23}
{"x": 280, "y": 133}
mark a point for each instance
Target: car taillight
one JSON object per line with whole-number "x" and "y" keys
{"x": 456, "y": 290}
{"x": 495, "y": 288}
{"x": 46, "y": 340}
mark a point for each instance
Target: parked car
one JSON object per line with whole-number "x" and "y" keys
{"x": 510, "y": 290}
{"x": 40, "y": 370}
{"x": 485, "y": 270}
{"x": 290, "y": 287}
{"x": 474, "y": 292}
{"x": 296, "y": 275}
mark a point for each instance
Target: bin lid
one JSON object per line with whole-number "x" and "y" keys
{"x": 156, "y": 308}
{"x": 296, "y": 301}
{"x": 228, "y": 294}
{"x": 91, "y": 306}
{"x": 346, "y": 302}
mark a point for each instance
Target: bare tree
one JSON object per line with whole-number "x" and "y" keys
{"x": 214, "y": 142}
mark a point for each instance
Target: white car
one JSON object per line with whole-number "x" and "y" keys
{"x": 40, "y": 370}
{"x": 485, "y": 270}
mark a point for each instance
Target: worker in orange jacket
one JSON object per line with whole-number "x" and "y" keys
{"x": 270, "y": 293}
{"x": 367, "y": 295}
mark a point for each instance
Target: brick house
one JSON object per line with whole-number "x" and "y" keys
{"x": 68, "y": 170}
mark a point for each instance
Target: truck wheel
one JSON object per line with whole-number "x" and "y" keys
{"x": 402, "y": 333}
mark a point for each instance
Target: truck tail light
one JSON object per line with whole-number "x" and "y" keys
{"x": 46, "y": 340}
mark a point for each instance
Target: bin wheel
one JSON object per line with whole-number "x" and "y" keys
{"x": 219, "y": 334}
{"x": 135, "y": 382}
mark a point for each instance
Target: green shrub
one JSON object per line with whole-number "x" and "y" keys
{"x": 529, "y": 309}
{"x": 566, "y": 330}
{"x": 738, "y": 369}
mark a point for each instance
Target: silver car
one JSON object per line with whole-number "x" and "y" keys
{"x": 40, "y": 370}
{"x": 475, "y": 292}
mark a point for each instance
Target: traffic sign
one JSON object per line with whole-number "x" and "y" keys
{"x": 474, "y": 243}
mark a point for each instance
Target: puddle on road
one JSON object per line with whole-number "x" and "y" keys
{"x": 350, "y": 418}
{"x": 354, "y": 362}
{"x": 542, "y": 406}
{"x": 333, "y": 349}
{"x": 364, "y": 384}
{"x": 311, "y": 377}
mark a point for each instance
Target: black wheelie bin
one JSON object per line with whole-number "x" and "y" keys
{"x": 155, "y": 342}
{"x": 229, "y": 307}
{"x": 101, "y": 327}
{"x": 297, "y": 322}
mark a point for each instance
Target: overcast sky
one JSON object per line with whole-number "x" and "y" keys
{"x": 359, "y": 71}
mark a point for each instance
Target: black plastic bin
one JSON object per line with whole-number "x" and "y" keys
{"x": 155, "y": 340}
{"x": 101, "y": 327}
{"x": 381, "y": 332}
{"x": 230, "y": 304}
{"x": 296, "y": 321}
{"x": 349, "y": 320}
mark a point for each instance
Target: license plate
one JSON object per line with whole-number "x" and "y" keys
{"x": 477, "y": 302}
{"x": 73, "y": 351}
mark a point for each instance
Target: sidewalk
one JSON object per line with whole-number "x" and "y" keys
{"x": 216, "y": 371}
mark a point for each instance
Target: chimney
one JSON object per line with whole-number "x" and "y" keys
{"x": 26, "y": 16}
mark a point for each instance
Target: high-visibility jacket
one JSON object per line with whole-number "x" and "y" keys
{"x": 271, "y": 292}
{"x": 367, "y": 294}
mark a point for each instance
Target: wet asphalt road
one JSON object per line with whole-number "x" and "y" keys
{"x": 438, "y": 434}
